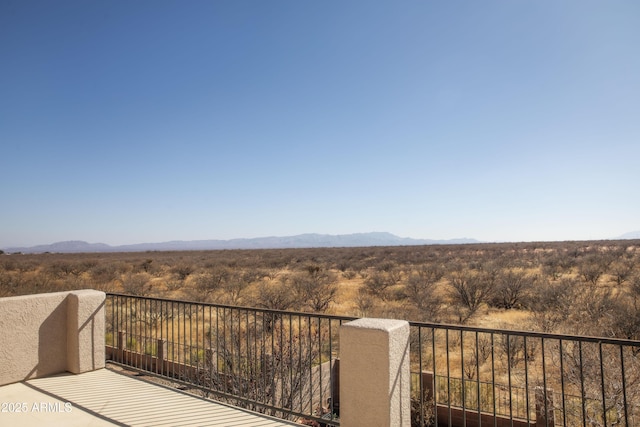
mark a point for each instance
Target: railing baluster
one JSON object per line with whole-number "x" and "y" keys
{"x": 185, "y": 362}
{"x": 582, "y": 392}
{"x": 420, "y": 380}
{"x": 602, "y": 390}
{"x": 526, "y": 380}
{"x": 544, "y": 384}
{"x": 564, "y": 403}
{"x": 509, "y": 378}
{"x": 493, "y": 379}
{"x": 624, "y": 387}
{"x": 309, "y": 339}
{"x": 448, "y": 374}
{"x": 478, "y": 396}
{"x": 332, "y": 331}
{"x": 462, "y": 383}
{"x": 300, "y": 356}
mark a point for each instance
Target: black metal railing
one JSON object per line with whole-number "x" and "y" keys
{"x": 275, "y": 362}
{"x": 285, "y": 364}
{"x": 476, "y": 376}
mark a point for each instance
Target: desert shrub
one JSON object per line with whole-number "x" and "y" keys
{"x": 378, "y": 284}
{"x": 551, "y": 303}
{"x": 349, "y": 274}
{"x": 136, "y": 284}
{"x": 103, "y": 273}
{"x": 236, "y": 284}
{"x": 182, "y": 270}
{"x": 421, "y": 291}
{"x": 364, "y": 302}
{"x": 470, "y": 289}
{"x": 10, "y": 283}
{"x": 622, "y": 270}
{"x": 422, "y": 410}
{"x": 210, "y": 281}
{"x": 274, "y": 295}
{"x": 512, "y": 289}
{"x": 315, "y": 289}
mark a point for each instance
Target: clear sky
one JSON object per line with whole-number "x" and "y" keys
{"x": 147, "y": 121}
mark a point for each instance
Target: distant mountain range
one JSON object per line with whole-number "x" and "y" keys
{"x": 310, "y": 240}
{"x": 631, "y": 235}
{"x": 299, "y": 241}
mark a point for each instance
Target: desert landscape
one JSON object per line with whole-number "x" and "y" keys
{"x": 469, "y": 304}
{"x": 584, "y": 288}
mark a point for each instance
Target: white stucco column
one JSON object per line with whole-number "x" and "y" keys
{"x": 374, "y": 373}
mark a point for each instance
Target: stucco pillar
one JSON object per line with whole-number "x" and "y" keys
{"x": 85, "y": 331}
{"x": 374, "y": 373}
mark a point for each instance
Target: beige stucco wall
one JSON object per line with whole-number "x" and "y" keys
{"x": 45, "y": 334}
{"x": 374, "y": 373}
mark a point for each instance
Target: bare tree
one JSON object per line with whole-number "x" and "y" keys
{"x": 512, "y": 289}
{"x": 316, "y": 288}
{"x": 137, "y": 284}
{"x": 551, "y": 303}
{"x": 421, "y": 290}
{"x": 592, "y": 307}
{"x": 103, "y": 274}
{"x": 552, "y": 266}
{"x": 211, "y": 281}
{"x": 626, "y": 317}
{"x": 10, "y": 283}
{"x": 235, "y": 285}
{"x": 378, "y": 283}
{"x": 592, "y": 267}
{"x": 470, "y": 289}
{"x": 364, "y": 302}
{"x": 622, "y": 270}
{"x": 634, "y": 290}
{"x": 275, "y": 295}
{"x": 62, "y": 269}
{"x": 183, "y": 270}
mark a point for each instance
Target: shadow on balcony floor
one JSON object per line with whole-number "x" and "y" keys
{"x": 105, "y": 397}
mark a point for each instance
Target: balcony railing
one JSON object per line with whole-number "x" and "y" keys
{"x": 286, "y": 364}
{"x": 275, "y": 362}
{"x": 502, "y": 377}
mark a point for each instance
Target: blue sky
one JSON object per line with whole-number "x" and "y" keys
{"x": 147, "y": 121}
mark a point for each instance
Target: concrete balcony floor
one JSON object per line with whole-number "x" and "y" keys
{"x": 107, "y": 398}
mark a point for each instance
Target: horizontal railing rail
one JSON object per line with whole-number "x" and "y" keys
{"x": 470, "y": 376}
{"x": 277, "y": 362}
